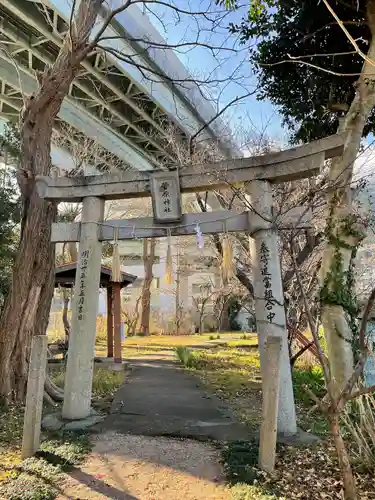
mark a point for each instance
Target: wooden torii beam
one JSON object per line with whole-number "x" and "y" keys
{"x": 258, "y": 174}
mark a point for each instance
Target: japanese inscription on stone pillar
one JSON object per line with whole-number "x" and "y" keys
{"x": 268, "y": 297}
{"x": 165, "y": 188}
{"x": 81, "y": 296}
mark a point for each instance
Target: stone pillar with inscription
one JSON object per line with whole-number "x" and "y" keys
{"x": 80, "y": 364}
{"x": 269, "y": 296}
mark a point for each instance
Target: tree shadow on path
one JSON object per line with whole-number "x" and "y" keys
{"x": 100, "y": 486}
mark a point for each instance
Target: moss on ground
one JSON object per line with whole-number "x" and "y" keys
{"x": 38, "y": 478}
{"x": 240, "y": 459}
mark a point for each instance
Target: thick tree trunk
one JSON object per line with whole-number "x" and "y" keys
{"x": 26, "y": 310}
{"x": 343, "y": 231}
{"x": 148, "y": 261}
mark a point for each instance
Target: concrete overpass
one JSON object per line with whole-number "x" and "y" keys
{"x": 112, "y": 102}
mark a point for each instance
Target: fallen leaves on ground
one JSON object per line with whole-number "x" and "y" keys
{"x": 313, "y": 473}
{"x": 301, "y": 473}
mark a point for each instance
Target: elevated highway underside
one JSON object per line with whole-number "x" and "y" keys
{"x": 110, "y": 102}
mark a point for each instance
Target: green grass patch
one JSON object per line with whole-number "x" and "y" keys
{"x": 227, "y": 358}
{"x": 105, "y": 382}
{"x": 248, "y": 342}
{"x": 311, "y": 377}
{"x": 38, "y": 478}
{"x": 219, "y": 359}
{"x": 11, "y": 425}
{"x": 187, "y": 357}
{"x": 240, "y": 460}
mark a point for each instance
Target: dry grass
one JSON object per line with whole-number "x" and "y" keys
{"x": 139, "y": 346}
{"x": 359, "y": 422}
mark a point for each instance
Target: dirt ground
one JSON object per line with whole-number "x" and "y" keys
{"x": 126, "y": 467}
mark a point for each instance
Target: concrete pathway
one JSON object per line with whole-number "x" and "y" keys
{"x": 143, "y": 450}
{"x": 161, "y": 399}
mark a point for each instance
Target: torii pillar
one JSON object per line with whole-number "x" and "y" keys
{"x": 269, "y": 297}
{"x": 80, "y": 364}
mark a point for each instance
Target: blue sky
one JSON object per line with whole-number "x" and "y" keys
{"x": 250, "y": 114}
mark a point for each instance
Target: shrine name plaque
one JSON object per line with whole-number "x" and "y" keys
{"x": 166, "y": 196}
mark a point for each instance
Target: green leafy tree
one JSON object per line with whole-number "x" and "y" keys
{"x": 306, "y": 65}
{"x": 257, "y": 8}
{"x": 315, "y": 62}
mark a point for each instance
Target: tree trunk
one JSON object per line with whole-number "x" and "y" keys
{"x": 350, "y": 492}
{"x": 201, "y": 321}
{"x": 66, "y": 323}
{"x": 132, "y": 326}
{"x": 72, "y": 249}
{"x": 344, "y": 233}
{"x": 148, "y": 261}
{"x": 26, "y": 310}
{"x": 224, "y": 320}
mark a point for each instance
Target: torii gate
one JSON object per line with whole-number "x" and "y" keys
{"x": 258, "y": 173}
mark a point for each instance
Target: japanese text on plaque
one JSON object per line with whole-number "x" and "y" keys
{"x": 267, "y": 281}
{"x": 165, "y": 193}
{"x": 82, "y": 277}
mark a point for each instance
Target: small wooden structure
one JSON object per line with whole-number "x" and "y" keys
{"x": 65, "y": 276}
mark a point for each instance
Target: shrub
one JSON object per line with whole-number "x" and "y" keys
{"x": 28, "y": 487}
{"x": 187, "y": 357}
{"x": 311, "y": 377}
{"x": 246, "y": 492}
